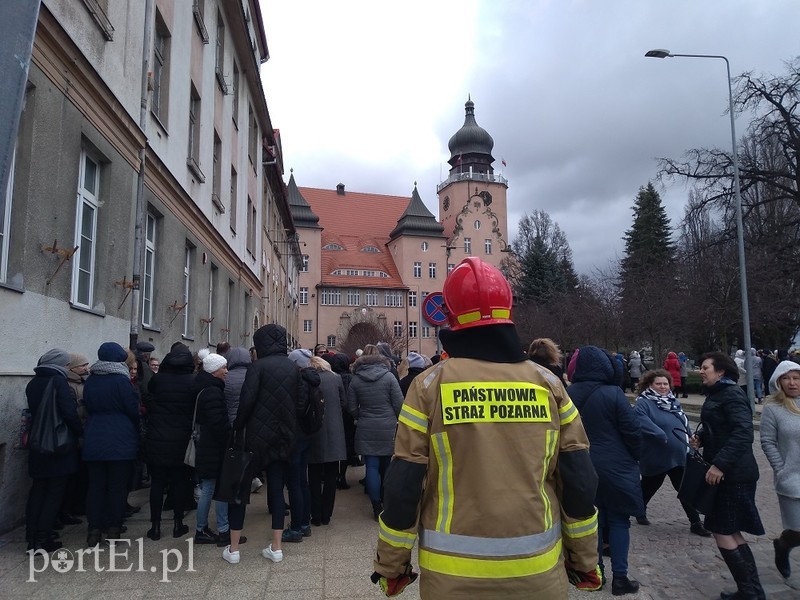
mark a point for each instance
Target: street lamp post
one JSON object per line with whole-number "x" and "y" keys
{"x": 739, "y": 224}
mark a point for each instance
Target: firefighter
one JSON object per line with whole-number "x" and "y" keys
{"x": 491, "y": 472}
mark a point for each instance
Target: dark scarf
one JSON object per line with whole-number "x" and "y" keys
{"x": 494, "y": 343}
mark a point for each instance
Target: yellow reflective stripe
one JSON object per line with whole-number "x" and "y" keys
{"x": 501, "y": 313}
{"x": 444, "y": 459}
{"x": 469, "y": 317}
{"x": 580, "y": 529}
{"x": 567, "y": 413}
{"x": 550, "y": 448}
{"x": 460, "y": 566}
{"x": 395, "y": 537}
{"x": 413, "y": 418}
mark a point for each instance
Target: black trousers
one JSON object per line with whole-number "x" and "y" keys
{"x": 652, "y": 483}
{"x": 322, "y": 481}
{"x": 108, "y": 492}
{"x": 176, "y": 479}
{"x": 44, "y": 504}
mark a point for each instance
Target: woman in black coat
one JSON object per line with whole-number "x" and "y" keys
{"x": 212, "y": 419}
{"x": 727, "y": 442}
{"x": 340, "y": 364}
{"x": 169, "y": 425}
{"x": 50, "y": 472}
{"x": 614, "y": 435}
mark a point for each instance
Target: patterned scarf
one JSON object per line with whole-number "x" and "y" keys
{"x": 671, "y": 404}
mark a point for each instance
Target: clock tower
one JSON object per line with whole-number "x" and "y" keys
{"x": 472, "y": 200}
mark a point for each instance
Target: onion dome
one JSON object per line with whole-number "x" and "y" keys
{"x": 471, "y": 138}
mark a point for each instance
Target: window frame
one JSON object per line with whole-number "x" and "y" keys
{"x": 417, "y": 269}
{"x": 412, "y": 330}
{"x": 308, "y": 325}
{"x": 5, "y": 223}
{"x": 148, "y": 273}
{"x": 187, "y": 288}
{"x": 412, "y": 299}
{"x": 160, "y": 81}
{"x": 432, "y": 270}
{"x": 397, "y": 329}
{"x": 487, "y": 246}
{"x": 303, "y": 295}
{"x": 468, "y": 246}
{"x": 92, "y": 200}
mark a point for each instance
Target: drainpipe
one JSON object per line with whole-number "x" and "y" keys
{"x": 138, "y": 234}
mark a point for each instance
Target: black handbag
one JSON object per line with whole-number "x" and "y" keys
{"x": 49, "y": 433}
{"x": 694, "y": 490}
{"x": 233, "y": 482}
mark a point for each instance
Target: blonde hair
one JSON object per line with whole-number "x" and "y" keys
{"x": 545, "y": 349}
{"x": 372, "y": 350}
{"x": 130, "y": 359}
{"x": 402, "y": 367}
{"x": 319, "y": 364}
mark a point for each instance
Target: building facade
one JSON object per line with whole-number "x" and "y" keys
{"x": 145, "y": 153}
{"x": 370, "y": 261}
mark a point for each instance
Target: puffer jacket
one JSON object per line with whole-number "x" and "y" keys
{"x": 327, "y": 445}
{"x": 727, "y": 437}
{"x": 54, "y": 465}
{"x": 170, "y": 409}
{"x": 635, "y": 367}
{"x": 374, "y": 399}
{"x": 212, "y": 418}
{"x": 613, "y": 429}
{"x": 267, "y": 404}
{"x": 238, "y": 363}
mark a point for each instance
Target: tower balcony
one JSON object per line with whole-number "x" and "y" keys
{"x": 485, "y": 177}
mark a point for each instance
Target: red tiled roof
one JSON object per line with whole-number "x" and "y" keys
{"x": 356, "y": 220}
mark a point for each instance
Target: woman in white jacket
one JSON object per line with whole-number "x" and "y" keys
{"x": 780, "y": 441}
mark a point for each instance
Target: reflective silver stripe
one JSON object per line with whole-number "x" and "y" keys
{"x": 484, "y": 546}
{"x": 432, "y": 375}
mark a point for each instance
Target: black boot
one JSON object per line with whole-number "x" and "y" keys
{"x": 93, "y": 538}
{"x": 783, "y": 545}
{"x": 180, "y": 528}
{"x": 623, "y": 585}
{"x": 154, "y": 533}
{"x": 377, "y": 509}
{"x": 742, "y": 566}
{"x": 114, "y": 533}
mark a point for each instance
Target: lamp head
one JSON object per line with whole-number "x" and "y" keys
{"x": 658, "y": 53}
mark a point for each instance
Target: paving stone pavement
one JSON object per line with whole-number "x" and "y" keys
{"x": 336, "y": 561}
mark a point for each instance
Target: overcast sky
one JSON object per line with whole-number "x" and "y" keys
{"x": 369, "y": 92}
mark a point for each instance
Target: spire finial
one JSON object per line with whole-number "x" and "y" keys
{"x": 291, "y": 170}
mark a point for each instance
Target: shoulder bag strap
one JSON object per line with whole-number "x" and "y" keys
{"x": 194, "y": 416}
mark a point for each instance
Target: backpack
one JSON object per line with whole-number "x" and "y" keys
{"x": 311, "y": 417}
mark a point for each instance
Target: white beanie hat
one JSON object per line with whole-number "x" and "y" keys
{"x": 782, "y": 369}
{"x": 415, "y": 361}
{"x": 301, "y": 357}
{"x": 214, "y": 362}
{"x": 202, "y": 353}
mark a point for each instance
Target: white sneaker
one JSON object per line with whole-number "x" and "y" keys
{"x": 255, "y": 485}
{"x": 231, "y": 557}
{"x": 273, "y": 555}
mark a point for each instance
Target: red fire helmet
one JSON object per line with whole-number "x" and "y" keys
{"x": 476, "y": 293}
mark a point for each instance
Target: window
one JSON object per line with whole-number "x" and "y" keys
{"x": 426, "y": 331}
{"x": 424, "y": 295}
{"x": 417, "y": 269}
{"x": 353, "y": 297}
{"x": 229, "y": 310}
{"x": 219, "y": 60}
{"x": 332, "y": 246}
{"x": 330, "y": 297}
{"x": 450, "y": 267}
{"x": 233, "y": 199}
{"x": 477, "y": 225}
{"x": 187, "y": 276}
{"x": 307, "y": 326}
{"x": 372, "y": 249}
{"x": 193, "y": 158}
{"x": 5, "y": 221}
{"x": 235, "y": 109}
{"x": 371, "y": 297}
{"x": 331, "y": 341}
{"x": 216, "y": 198}
{"x": 393, "y": 299}
{"x": 487, "y": 246}
{"x": 160, "y": 82}
{"x": 198, "y": 8}
{"x": 148, "y": 283}
{"x": 432, "y": 270}
{"x": 303, "y": 295}
{"x": 251, "y": 227}
{"x": 468, "y": 245}
{"x": 412, "y": 299}
{"x": 252, "y": 136}
{"x": 398, "y": 329}
{"x": 83, "y": 266}
{"x": 424, "y": 246}
{"x": 304, "y": 268}
{"x": 212, "y": 288}
{"x": 412, "y": 329}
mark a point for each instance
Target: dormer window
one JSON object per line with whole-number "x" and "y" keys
{"x": 332, "y": 247}
{"x": 373, "y": 249}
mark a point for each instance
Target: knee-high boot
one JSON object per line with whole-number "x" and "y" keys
{"x": 783, "y": 545}
{"x": 742, "y": 566}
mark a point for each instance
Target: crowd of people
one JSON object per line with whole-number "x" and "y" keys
{"x": 130, "y": 417}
